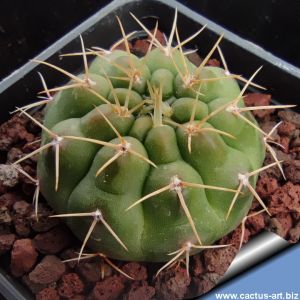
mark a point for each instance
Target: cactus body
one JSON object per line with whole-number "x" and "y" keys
{"x": 158, "y": 225}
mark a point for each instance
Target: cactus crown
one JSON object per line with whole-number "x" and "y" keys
{"x": 149, "y": 157}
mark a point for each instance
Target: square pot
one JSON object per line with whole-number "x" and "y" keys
{"x": 101, "y": 29}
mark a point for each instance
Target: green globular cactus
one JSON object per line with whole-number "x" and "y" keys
{"x": 145, "y": 156}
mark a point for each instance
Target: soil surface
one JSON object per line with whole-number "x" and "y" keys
{"x": 33, "y": 251}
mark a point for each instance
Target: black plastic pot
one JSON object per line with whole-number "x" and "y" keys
{"x": 243, "y": 57}
{"x": 272, "y": 24}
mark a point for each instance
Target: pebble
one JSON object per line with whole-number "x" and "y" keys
{"x": 138, "y": 291}
{"x": 218, "y": 260}
{"x": 285, "y": 199}
{"x": 9, "y": 199}
{"x": 259, "y": 99}
{"x": 290, "y": 116}
{"x": 6, "y": 242}
{"x": 70, "y": 285}
{"x": 109, "y": 289}
{"x": 90, "y": 270}
{"x": 53, "y": 241}
{"x": 48, "y": 294}
{"x": 23, "y": 257}
{"x": 172, "y": 284}
{"x": 9, "y": 176}
{"x": 294, "y": 234}
{"x": 49, "y": 270}
{"x": 292, "y": 170}
{"x": 21, "y": 207}
{"x": 135, "y": 270}
{"x": 281, "y": 224}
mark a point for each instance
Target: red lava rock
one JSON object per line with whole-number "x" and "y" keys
{"x": 214, "y": 62}
{"x": 296, "y": 141}
{"x": 53, "y": 241}
{"x": 6, "y": 242}
{"x": 258, "y": 99}
{"x": 273, "y": 172}
{"x": 285, "y": 199}
{"x": 282, "y": 156}
{"x": 44, "y": 223}
{"x": 256, "y": 223}
{"x": 160, "y": 37}
{"x": 90, "y": 271}
{"x": 285, "y": 142}
{"x": 141, "y": 46}
{"x": 9, "y": 199}
{"x": 70, "y": 285}
{"x": 286, "y": 128}
{"x": 23, "y": 257}
{"x": 135, "y": 270}
{"x": 198, "y": 267}
{"x": 218, "y": 260}
{"x": 235, "y": 239}
{"x": 30, "y": 147}
{"x": 206, "y": 282}
{"x": 13, "y": 131}
{"x": 35, "y": 287}
{"x": 266, "y": 186}
{"x": 172, "y": 284}
{"x": 292, "y": 170}
{"x": 34, "y": 128}
{"x": 294, "y": 234}
{"x": 267, "y": 126}
{"x": 9, "y": 176}
{"x": 49, "y": 270}
{"x": 138, "y": 292}
{"x": 122, "y": 46}
{"x": 296, "y": 151}
{"x": 48, "y": 294}
{"x": 14, "y": 154}
{"x": 21, "y": 207}
{"x": 3, "y": 189}
{"x": 28, "y": 188}
{"x": 78, "y": 297}
{"x": 29, "y": 170}
{"x": 281, "y": 224}
{"x": 290, "y": 116}
{"x": 22, "y": 226}
{"x": 5, "y": 217}
{"x": 106, "y": 270}
{"x": 69, "y": 254}
{"x": 195, "y": 58}
{"x": 109, "y": 289}
{"x": 296, "y": 216}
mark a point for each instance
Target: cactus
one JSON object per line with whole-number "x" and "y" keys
{"x": 152, "y": 156}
